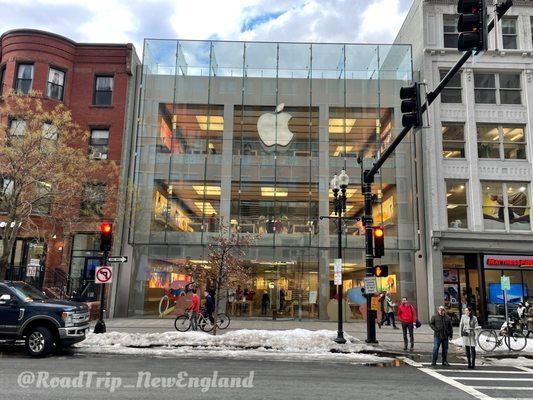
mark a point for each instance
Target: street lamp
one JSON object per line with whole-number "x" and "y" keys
{"x": 339, "y": 183}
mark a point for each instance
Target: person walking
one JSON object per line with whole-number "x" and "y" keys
{"x": 467, "y": 328}
{"x": 384, "y": 316}
{"x": 195, "y": 310}
{"x": 389, "y": 309}
{"x": 407, "y": 316}
{"x": 265, "y": 303}
{"x": 209, "y": 306}
{"x": 441, "y": 324}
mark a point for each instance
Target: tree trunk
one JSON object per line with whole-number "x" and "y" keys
{"x": 7, "y": 249}
{"x": 217, "y": 299}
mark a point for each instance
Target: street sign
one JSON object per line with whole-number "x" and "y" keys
{"x": 337, "y": 271}
{"x": 505, "y": 283}
{"x": 31, "y": 271}
{"x": 371, "y": 286}
{"x": 103, "y": 274}
{"x": 118, "y": 259}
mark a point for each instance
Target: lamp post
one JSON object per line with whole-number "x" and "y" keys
{"x": 339, "y": 184}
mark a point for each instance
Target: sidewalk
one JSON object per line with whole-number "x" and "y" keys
{"x": 389, "y": 339}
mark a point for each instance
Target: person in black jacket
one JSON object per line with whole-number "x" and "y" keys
{"x": 210, "y": 307}
{"x": 441, "y": 324}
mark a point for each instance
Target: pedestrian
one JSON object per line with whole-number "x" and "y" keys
{"x": 384, "y": 315}
{"x": 265, "y": 303}
{"x": 441, "y": 324}
{"x": 467, "y": 328}
{"x": 209, "y": 306}
{"x": 195, "y": 310}
{"x": 529, "y": 318}
{"x": 407, "y": 316}
{"x": 389, "y": 309}
{"x": 521, "y": 316}
{"x": 281, "y": 300}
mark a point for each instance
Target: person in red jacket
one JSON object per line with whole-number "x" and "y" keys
{"x": 407, "y": 316}
{"x": 195, "y": 310}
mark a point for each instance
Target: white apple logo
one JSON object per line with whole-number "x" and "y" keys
{"x": 273, "y": 127}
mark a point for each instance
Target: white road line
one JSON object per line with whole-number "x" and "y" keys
{"x": 467, "y": 389}
{"x": 526, "y": 369}
{"x": 427, "y": 363}
{"x": 502, "y": 388}
{"x": 482, "y": 371}
{"x": 469, "y": 378}
{"x": 410, "y": 362}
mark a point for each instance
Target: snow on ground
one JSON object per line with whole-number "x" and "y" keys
{"x": 293, "y": 344}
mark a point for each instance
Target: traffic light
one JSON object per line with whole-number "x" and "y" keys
{"x": 381, "y": 271}
{"x": 106, "y": 236}
{"x": 472, "y": 25}
{"x": 411, "y": 105}
{"x": 379, "y": 241}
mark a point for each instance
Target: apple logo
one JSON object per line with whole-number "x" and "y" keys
{"x": 273, "y": 128}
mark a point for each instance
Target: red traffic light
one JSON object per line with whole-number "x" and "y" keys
{"x": 378, "y": 232}
{"x": 106, "y": 228}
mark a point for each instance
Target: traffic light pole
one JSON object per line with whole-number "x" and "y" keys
{"x": 100, "y": 324}
{"x": 369, "y": 175}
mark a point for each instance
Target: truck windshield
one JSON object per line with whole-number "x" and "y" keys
{"x": 28, "y": 293}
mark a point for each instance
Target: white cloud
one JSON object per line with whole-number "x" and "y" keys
{"x": 380, "y": 25}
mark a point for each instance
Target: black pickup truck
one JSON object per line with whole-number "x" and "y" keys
{"x": 27, "y": 314}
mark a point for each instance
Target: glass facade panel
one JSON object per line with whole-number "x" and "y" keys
{"x": 248, "y": 135}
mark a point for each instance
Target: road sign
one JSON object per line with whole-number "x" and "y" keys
{"x": 31, "y": 271}
{"x": 505, "y": 283}
{"x": 118, "y": 259}
{"x": 337, "y": 271}
{"x": 371, "y": 286}
{"x": 103, "y": 274}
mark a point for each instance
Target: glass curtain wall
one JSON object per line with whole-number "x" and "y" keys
{"x": 248, "y": 135}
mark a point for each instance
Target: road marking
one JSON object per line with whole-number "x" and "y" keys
{"x": 410, "y": 362}
{"x": 502, "y": 388}
{"x": 524, "y": 368}
{"x": 469, "y": 378}
{"x": 458, "y": 364}
{"x": 481, "y": 371}
{"x": 450, "y": 381}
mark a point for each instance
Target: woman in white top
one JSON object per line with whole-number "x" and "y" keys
{"x": 467, "y": 328}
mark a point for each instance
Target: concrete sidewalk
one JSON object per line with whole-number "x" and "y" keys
{"x": 388, "y": 338}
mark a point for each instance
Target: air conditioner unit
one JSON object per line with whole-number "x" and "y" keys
{"x": 98, "y": 156}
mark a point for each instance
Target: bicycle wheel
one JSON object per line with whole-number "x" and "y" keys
{"x": 223, "y": 321}
{"x": 487, "y": 340}
{"x": 182, "y": 323}
{"x": 516, "y": 341}
{"x": 205, "y": 324}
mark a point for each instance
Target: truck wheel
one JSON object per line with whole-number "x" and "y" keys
{"x": 39, "y": 342}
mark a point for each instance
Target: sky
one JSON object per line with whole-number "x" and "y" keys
{"x": 130, "y": 21}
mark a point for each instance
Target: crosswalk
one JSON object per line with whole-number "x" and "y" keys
{"x": 486, "y": 382}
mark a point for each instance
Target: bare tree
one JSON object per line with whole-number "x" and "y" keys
{"x": 225, "y": 263}
{"x": 45, "y": 172}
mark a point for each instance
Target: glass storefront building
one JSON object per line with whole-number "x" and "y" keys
{"x": 249, "y": 134}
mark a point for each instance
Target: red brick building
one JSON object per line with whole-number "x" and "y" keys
{"x": 97, "y": 82}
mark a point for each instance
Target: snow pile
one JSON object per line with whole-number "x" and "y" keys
{"x": 295, "y": 343}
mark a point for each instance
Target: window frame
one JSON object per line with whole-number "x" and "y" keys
{"x": 501, "y": 141}
{"x": 497, "y": 87}
{"x": 466, "y": 205}
{"x": 59, "y": 69}
{"x": 16, "y": 78}
{"x": 463, "y": 142}
{"x": 455, "y": 33}
{"x": 515, "y": 35}
{"x": 103, "y": 75}
{"x": 84, "y": 202}
{"x": 91, "y": 145}
{"x": 504, "y": 191}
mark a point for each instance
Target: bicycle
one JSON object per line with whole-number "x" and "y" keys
{"x": 183, "y": 323}
{"x": 489, "y": 339}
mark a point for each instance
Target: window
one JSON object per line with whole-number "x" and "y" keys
{"x": 506, "y": 206}
{"x": 453, "y": 140}
{"x": 17, "y": 127}
{"x": 103, "y": 91}
{"x": 2, "y": 78}
{"x": 56, "y": 83}
{"x": 452, "y": 93}
{"x": 24, "y": 78}
{"x": 93, "y": 200}
{"x": 509, "y": 35}
{"x": 450, "y": 31}
{"x": 98, "y": 144}
{"x": 43, "y": 198}
{"x": 504, "y": 142}
{"x": 49, "y": 131}
{"x": 502, "y": 88}
{"x": 6, "y": 191}
{"x": 456, "y": 204}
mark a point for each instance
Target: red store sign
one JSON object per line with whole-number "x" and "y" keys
{"x": 492, "y": 261}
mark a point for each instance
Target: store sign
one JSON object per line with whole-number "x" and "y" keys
{"x": 502, "y": 261}
{"x": 31, "y": 271}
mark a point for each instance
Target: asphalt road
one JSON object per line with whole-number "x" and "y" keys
{"x": 271, "y": 379}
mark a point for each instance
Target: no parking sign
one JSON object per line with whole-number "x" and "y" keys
{"x": 103, "y": 274}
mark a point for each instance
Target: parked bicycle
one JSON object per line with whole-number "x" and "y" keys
{"x": 510, "y": 333}
{"x": 183, "y": 322}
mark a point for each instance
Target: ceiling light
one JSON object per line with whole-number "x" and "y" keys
{"x": 341, "y": 150}
{"x": 451, "y": 206}
{"x": 212, "y": 123}
{"x": 522, "y": 188}
{"x": 274, "y": 192}
{"x": 518, "y": 136}
{"x": 206, "y": 207}
{"x": 341, "y": 125}
{"x": 207, "y": 190}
